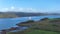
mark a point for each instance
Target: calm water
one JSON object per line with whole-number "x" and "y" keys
{"x": 6, "y": 23}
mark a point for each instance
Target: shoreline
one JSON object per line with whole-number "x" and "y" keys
{"x": 32, "y": 23}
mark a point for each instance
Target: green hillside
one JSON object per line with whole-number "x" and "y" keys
{"x": 41, "y": 32}
{"x": 6, "y": 15}
{"x": 44, "y": 26}
{"x": 34, "y": 31}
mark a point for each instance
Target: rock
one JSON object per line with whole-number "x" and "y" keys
{"x": 3, "y": 32}
{"x": 12, "y": 28}
{"x": 44, "y": 19}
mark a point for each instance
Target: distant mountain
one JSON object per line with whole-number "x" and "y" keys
{"x": 22, "y": 14}
{"x": 18, "y": 14}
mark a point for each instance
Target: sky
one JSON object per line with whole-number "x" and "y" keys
{"x": 30, "y": 5}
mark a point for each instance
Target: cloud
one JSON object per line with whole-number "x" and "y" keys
{"x": 12, "y": 7}
{"x": 6, "y": 9}
{"x": 20, "y": 9}
{"x": 32, "y": 10}
{"x": 27, "y": 9}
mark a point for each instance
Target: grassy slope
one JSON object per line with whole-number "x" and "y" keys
{"x": 43, "y": 27}
{"x": 41, "y": 32}
{"x": 34, "y": 32}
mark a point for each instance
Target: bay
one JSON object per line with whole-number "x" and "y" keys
{"x": 6, "y": 23}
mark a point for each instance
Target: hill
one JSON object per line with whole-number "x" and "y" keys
{"x": 17, "y": 14}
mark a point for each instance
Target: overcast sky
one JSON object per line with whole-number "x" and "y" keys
{"x": 30, "y": 5}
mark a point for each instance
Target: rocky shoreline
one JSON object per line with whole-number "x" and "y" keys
{"x": 15, "y": 29}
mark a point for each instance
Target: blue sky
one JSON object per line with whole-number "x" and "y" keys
{"x": 30, "y": 5}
